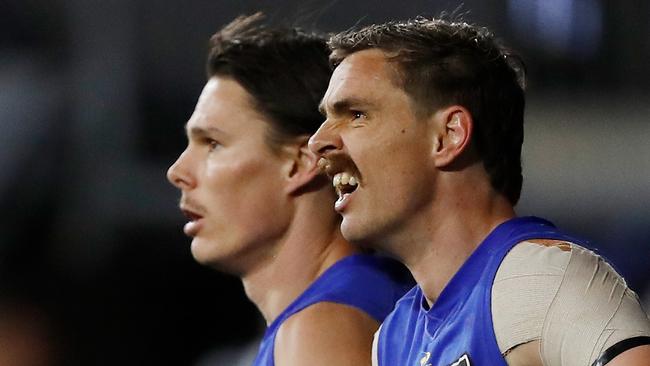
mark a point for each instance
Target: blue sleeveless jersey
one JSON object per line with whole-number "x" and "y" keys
{"x": 370, "y": 283}
{"x": 457, "y": 330}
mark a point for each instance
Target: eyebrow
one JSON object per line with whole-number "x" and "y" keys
{"x": 200, "y": 131}
{"x": 343, "y": 105}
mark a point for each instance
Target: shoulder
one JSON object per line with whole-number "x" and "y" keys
{"x": 373, "y": 284}
{"x": 373, "y": 270}
{"x": 326, "y": 333}
{"x": 534, "y": 257}
{"x": 524, "y": 287}
{"x": 558, "y": 293}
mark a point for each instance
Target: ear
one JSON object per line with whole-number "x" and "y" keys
{"x": 303, "y": 168}
{"x": 453, "y": 133}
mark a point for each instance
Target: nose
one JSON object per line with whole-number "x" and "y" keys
{"x": 325, "y": 140}
{"x": 179, "y": 175}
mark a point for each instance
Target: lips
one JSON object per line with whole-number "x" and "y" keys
{"x": 193, "y": 216}
{"x": 192, "y": 227}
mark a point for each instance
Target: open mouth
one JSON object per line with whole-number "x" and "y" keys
{"x": 344, "y": 183}
{"x": 192, "y": 216}
{"x": 345, "y": 178}
{"x": 195, "y": 223}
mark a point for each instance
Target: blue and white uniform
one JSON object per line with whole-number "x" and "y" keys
{"x": 458, "y": 330}
{"x": 370, "y": 283}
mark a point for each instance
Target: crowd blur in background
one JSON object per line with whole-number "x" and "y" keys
{"x": 94, "y": 268}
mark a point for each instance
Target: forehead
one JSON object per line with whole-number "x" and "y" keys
{"x": 224, "y": 102}
{"x": 363, "y": 74}
{"x": 223, "y": 95}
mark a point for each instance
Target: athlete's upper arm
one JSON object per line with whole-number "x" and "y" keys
{"x": 637, "y": 356}
{"x": 561, "y": 308}
{"x": 325, "y": 334}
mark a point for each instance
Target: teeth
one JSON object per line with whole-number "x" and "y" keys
{"x": 344, "y": 179}
{"x": 322, "y": 163}
{"x": 337, "y": 180}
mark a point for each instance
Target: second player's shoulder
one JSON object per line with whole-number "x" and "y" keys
{"x": 544, "y": 257}
{"x": 537, "y": 256}
{"x": 543, "y": 286}
{"x": 325, "y": 333}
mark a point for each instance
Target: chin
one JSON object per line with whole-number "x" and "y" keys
{"x": 199, "y": 256}
{"x": 203, "y": 252}
{"x": 207, "y": 254}
{"x": 366, "y": 235}
{"x": 354, "y": 233}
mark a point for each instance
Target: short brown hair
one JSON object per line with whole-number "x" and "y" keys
{"x": 444, "y": 62}
{"x": 285, "y": 70}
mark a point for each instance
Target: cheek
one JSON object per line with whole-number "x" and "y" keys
{"x": 233, "y": 173}
{"x": 398, "y": 175}
{"x": 245, "y": 191}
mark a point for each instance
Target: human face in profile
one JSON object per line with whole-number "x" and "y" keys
{"x": 231, "y": 180}
{"x": 375, "y": 149}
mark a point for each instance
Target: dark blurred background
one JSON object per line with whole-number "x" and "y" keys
{"x": 94, "y": 268}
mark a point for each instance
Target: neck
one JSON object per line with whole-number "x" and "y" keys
{"x": 455, "y": 225}
{"x": 311, "y": 245}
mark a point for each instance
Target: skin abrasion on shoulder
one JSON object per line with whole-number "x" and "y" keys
{"x": 566, "y": 297}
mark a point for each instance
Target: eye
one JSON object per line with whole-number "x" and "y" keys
{"x": 357, "y": 115}
{"x": 211, "y": 143}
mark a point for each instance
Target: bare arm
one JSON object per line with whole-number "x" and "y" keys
{"x": 637, "y": 356}
{"x": 528, "y": 355}
{"x": 325, "y": 334}
{"x": 591, "y": 312}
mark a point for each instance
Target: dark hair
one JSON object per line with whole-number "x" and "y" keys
{"x": 442, "y": 63}
{"x": 285, "y": 70}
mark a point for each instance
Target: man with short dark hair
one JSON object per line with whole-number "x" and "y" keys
{"x": 259, "y": 208}
{"x": 425, "y": 117}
